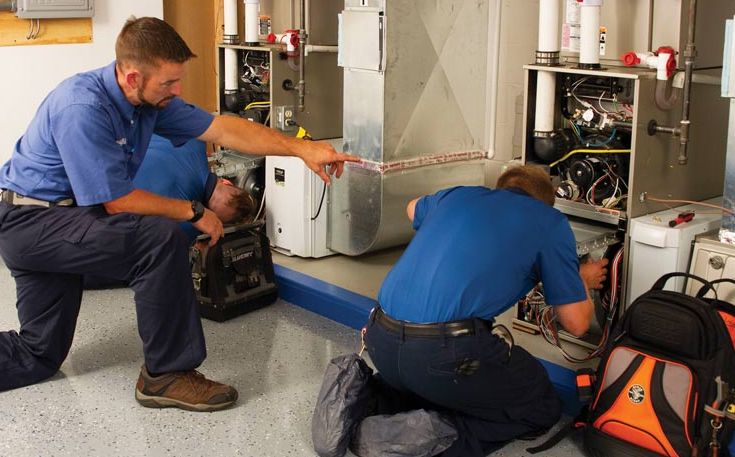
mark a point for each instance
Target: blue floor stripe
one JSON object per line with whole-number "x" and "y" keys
{"x": 352, "y": 310}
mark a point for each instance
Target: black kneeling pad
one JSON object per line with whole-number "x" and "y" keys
{"x": 341, "y": 406}
{"x": 417, "y": 433}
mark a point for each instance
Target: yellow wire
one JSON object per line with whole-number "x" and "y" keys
{"x": 250, "y": 105}
{"x": 590, "y": 151}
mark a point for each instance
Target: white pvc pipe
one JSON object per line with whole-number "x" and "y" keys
{"x": 589, "y": 46}
{"x": 548, "y": 41}
{"x": 548, "y": 26}
{"x": 545, "y": 91}
{"x": 230, "y": 70}
{"x": 230, "y": 33}
{"x": 252, "y": 10}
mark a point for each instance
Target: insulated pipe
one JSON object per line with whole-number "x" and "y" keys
{"x": 230, "y": 34}
{"x": 252, "y": 10}
{"x": 589, "y": 46}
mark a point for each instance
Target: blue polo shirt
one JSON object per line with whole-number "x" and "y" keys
{"x": 87, "y": 140}
{"x": 476, "y": 252}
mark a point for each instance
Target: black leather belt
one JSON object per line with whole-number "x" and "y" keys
{"x": 447, "y": 329}
{"x": 14, "y": 198}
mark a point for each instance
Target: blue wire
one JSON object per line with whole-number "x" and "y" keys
{"x": 606, "y": 142}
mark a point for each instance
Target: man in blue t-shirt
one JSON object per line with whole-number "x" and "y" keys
{"x": 69, "y": 208}
{"x": 183, "y": 173}
{"x": 476, "y": 252}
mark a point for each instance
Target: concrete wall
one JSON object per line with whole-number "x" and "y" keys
{"x": 30, "y": 72}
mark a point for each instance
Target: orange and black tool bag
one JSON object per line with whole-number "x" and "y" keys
{"x": 654, "y": 380}
{"x": 656, "y": 375}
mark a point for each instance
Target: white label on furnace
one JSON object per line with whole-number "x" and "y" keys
{"x": 573, "y": 12}
{"x": 570, "y": 37}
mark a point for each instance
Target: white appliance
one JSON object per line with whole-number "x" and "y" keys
{"x": 713, "y": 260}
{"x": 657, "y": 249}
{"x": 296, "y": 207}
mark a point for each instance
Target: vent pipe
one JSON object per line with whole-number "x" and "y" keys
{"x": 547, "y": 53}
{"x": 230, "y": 34}
{"x": 589, "y": 32}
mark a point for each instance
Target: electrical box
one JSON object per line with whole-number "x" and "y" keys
{"x": 54, "y": 9}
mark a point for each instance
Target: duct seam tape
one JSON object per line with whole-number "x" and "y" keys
{"x": 384, "y": 167}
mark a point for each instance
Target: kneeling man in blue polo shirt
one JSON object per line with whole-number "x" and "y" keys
{"x": 70, "y": 208}
{"x": 475, "y": 253}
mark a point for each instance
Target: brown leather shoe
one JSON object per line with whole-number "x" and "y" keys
{"x": 188, "y": 390}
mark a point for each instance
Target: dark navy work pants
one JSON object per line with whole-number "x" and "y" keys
{"x": 492, "y": 396}
{"x": 48, "y": 250}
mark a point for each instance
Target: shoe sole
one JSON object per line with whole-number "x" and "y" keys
{"x": 165, "y": 402}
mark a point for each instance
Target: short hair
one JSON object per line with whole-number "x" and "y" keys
{"x": 147, "y": 41}
{"x": 531, "y": 179}
{"x": 243, "y": 203}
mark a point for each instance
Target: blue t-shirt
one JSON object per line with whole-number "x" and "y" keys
{"x": 87, "y": 140}
{"x": 476, "y": 252}
{"x": 176, "y": 172}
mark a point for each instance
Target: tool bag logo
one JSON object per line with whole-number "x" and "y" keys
{"x": 636, "y": 393}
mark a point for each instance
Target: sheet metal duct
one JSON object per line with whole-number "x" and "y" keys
{"x": 415, "y": 76}
{"x": 727, "y": 231}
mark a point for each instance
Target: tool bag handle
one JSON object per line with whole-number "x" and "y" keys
{"x": 707, "y": 286}
{"x": 703, "y": 291}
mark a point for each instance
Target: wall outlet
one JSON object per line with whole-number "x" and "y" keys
{"x": 285, "y": 118}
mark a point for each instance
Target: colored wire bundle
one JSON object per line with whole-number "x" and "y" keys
{"x": 546, "y": 318}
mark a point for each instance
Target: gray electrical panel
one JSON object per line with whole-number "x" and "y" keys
{"x": 54, "y": 9}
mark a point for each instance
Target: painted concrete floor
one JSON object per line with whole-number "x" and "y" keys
{"x": 275, "y": 357}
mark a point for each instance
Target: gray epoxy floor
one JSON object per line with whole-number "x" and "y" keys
{"x": 275, "y": 357}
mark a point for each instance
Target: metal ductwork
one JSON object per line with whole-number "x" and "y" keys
{"x": 415, "y": 76}
{"x": 727, "y": 231}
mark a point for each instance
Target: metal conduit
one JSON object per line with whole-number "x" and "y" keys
{"x": 689, "y": 53}
{"x": 302, "y": 50}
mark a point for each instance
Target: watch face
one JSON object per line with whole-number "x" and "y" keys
{"x": 198, "y": 208}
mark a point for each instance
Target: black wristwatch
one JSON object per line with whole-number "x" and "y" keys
{"x": 198, "y": 209}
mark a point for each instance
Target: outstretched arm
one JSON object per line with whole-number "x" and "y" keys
{"x": 253, "y": 138}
